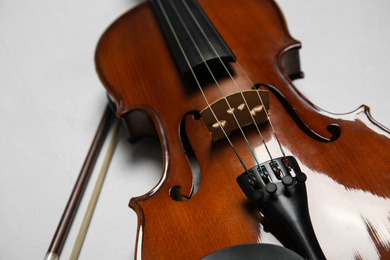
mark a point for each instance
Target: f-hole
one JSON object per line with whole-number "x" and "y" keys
{"x": 175, "y": 192}
{"x": 333, "y": 129}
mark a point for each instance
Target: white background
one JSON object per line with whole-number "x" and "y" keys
{"x": 51, "y": 102}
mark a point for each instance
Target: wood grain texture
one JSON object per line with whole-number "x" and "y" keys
{"x": 348, "y": 178}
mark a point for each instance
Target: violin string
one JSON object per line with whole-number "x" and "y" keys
{"x": 266, "y": 112}
{"x": 198, "y": 83}
{"x": 232, "y": 78}
{"x": 251, "y": 82}
{"x": 216, "y": 82}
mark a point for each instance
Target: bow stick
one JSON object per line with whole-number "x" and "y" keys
{"x": 95, "y": 194}
{"x": 78, "y": 190}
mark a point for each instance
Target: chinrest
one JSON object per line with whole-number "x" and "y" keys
{"x": 253, "y": 251}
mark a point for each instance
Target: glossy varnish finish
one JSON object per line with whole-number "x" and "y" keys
{"x": 348, "y": 178}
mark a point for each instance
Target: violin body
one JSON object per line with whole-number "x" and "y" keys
{"x": 345, "y": 157}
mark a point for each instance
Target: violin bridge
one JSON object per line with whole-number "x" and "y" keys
{"x": 234, "y": 106}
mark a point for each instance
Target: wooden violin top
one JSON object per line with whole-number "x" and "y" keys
{"x": 52, "y": 101}
{"x": 336, "y": 152}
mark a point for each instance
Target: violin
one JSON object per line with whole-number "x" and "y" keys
{"x": 248, "y": 160}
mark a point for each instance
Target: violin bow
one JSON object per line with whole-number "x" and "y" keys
{"x": 96, "y": 191}
{"x": 70, "y": 210}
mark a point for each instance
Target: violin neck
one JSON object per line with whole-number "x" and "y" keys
{"x": 191, "y": 36}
